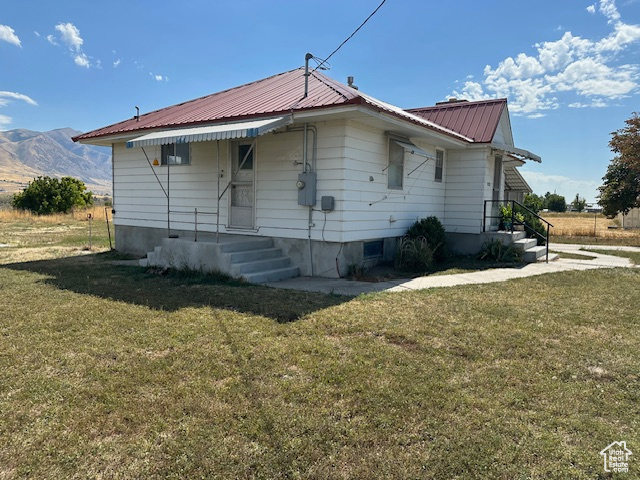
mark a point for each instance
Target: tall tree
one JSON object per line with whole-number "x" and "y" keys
{"x": 555, "y": 202}
{"x": 578, "y": 203}
{"x": 620, "y": 191}
{"x": 533, "y": 202}
{"x": 46, "y": 195}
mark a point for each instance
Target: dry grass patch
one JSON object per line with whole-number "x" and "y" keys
{"x": 116, "y": 373}
{"x": 111, "y": 372}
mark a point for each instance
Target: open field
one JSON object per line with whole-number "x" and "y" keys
{"x": 112, "y": 372}
{"x": 33, "y": 237}
{"x": 589, "y": 228}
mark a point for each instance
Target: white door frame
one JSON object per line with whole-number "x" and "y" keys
{"x": 242, "y": 204}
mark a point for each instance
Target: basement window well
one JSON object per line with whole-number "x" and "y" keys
{"x": 373, "y": 249}
{"x": 176, "y": 154}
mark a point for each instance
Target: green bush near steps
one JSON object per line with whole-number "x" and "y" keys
{"x": 424, "y": 245}
{"x": 432, "y": 231}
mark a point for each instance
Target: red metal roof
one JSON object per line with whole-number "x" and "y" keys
{"x": 276, "y": 95}
{"x": 475, "y": 120}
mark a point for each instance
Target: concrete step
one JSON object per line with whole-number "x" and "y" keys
{"x": 252, "y": 255}
{"x": 552, "y": 257}
{"x": 533, "y": 254}
{"x": 525, "y": 243}
{"x": 508, "y": 237}
{"x": 274, "y": 275}
{"x": 257, "y": 266}
{"x": 249, "y": 244}
{"x": 143, "y": 262}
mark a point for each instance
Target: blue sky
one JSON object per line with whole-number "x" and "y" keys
{"x": 570, "y": 68}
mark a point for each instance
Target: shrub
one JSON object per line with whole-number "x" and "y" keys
{"x": 414, "y": 254}
{"x": 533, "y": 202}
{"x": 432, "y": 231}
{"x": 49, "y": 195}
{"x": 534, "y": 224}
{"x": 497, "y": 251}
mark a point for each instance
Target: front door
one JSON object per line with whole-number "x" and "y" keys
{"x": 242, "y": 187}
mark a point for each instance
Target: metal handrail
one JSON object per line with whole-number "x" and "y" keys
{"x": 513, "y": 220}
{"x": 195, "y": 213}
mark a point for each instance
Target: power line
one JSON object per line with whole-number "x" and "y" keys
{"x": 350, "y": 36}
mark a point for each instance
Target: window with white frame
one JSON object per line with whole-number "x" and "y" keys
{"x": 395, "y": 169}
{"x": 439, "y": 165}
{"x": 176, "y": 154}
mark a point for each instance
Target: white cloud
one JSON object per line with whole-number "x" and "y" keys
{"x": 584, "y": 67}
{"x": 609, "y": 10}
{"x": 17, "y": 96}
{"x": 36, "y": 33}
{"x": 116, "y": 63}
{"x": 5, "y": 99}
{"x": 159, "y": 78}
{"x": 5, "y": 121}
{"x": 8, "y": 34}
{"x": 594, "y": 104}
{"x": 70, "y": 36}
{"x": 568, "y": 187}
{"x": 81, "y": 60}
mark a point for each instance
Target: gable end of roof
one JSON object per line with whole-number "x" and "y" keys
{"x": 476, "y": 120}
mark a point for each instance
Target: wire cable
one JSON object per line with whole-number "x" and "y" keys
{"x": 350, "y": 36}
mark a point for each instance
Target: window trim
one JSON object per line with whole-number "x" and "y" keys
{"x": 392, "y": 143}
{"x": 164, "y": 163}
{"x": 439, "y": 168}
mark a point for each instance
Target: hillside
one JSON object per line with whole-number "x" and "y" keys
{"x": 26, "y": 154}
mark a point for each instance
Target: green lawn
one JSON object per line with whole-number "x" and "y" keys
{"x": 112, "y": 372}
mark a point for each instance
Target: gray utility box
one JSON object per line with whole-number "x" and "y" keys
{"x": 307, "y": 188}
{"x": 327, "y": 203}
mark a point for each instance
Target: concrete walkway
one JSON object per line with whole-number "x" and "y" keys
{"x": 342, "y": 286}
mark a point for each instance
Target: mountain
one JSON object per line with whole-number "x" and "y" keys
{"x": 26, "y": 154}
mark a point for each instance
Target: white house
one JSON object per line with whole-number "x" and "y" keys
{"x": 305, "y": 170}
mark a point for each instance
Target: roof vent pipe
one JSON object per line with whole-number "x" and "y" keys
{"x": 307, "y": 57}
{"x": 350, "y": 82}
{"x": 137, "y": 117}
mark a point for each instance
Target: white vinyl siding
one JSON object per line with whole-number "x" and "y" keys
{"x": 370, "y": 209}
{"x": 139, "y": 199}
{"x": 351, "y": 159}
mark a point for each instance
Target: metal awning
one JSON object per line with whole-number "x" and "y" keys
{"x": 211, "y": 132}
{"x": 516, "y": 151}
{"x": 514, "y": 180}
{"x": 411, "y": 148}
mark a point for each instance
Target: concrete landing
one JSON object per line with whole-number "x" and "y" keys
{"x": 352, "y": 288}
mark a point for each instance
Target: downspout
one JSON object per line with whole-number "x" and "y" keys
{"x": 312, "y": 167}
{"x": 168, "y": 191}
{"x": 218, "y": 193}
{"x": 305, "y": 158}
{"x": 307, "y": 57}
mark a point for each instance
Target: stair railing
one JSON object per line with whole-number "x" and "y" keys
{"x": 514, "y": 222}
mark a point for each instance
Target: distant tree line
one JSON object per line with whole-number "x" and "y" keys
{"x": 553, "y": 202}
{"x": 46, "y": 195}
{"x": 550, "y": 201}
